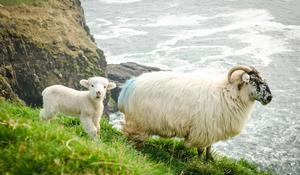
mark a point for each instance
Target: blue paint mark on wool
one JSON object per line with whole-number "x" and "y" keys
{"x": 127, "y": 89}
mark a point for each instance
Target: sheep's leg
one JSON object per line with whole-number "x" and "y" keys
{"x": 96, "y": 120}
{"x": 46, "y": 115}
{"x": 200, "y": 151}
{"x": 89, "y": 127}
{"x": 208, "y": 153}
{"x": 132, "y": 132}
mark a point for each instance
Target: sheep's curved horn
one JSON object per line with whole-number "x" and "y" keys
{"x": 238, "y": 67}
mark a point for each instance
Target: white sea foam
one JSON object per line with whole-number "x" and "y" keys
{"x": 132, "y": 22}
{"x": 225, "y": 49}
{"x": 102, "y": 22}
{"x": 171, "y": 61}
{"x": 117, "y": 59}
{"x": 293, "y": 32}
{"x": 253, "y": 33}
{"x": 119, "y": 1}
{"x": 176, "y": 20}
{"x": 260, "y": 44}
{"x": 142, "y": 58}
{"x": 124, "y": 20}
{"x": 240, "y": 21}
{"x": 92, "y": 23}
{"x": 188, "y": 64}
{"x": 117, "y": 120}
{"x": 117, "y": 32}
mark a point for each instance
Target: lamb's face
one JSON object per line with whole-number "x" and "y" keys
{"x": 258, "y": 88}
{"x": 97, "y": 87}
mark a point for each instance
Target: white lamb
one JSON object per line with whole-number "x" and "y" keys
{"x": 88, "y": 105}
{"x": 199, "y": 110}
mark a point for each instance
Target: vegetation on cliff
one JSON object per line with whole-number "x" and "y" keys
{"x": 7, "y": 93}
{"x": 20, "y": 2}
{"x": 29, "y": 146}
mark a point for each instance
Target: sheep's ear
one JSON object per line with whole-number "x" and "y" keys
{"x": 111, "y": 85}
{"x": 246, "y": 78}
{"x": 84, "y": 83}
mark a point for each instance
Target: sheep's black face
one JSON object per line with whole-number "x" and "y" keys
{"x": 259, "y": 89}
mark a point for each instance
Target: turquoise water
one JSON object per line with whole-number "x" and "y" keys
{"x": 210, "y": 37}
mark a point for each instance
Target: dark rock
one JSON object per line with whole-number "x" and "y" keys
{"x": 119, "y": 73}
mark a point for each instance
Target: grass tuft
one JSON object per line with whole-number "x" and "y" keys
{"x": 29, "y": 146}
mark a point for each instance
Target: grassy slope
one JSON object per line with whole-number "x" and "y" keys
{"x": 29, "y": 146}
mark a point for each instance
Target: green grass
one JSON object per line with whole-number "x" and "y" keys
{"x": 19, "y": 2}
{"x": 29, "y": 146}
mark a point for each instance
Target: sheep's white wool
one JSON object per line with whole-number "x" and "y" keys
{"x": 172, "y": 104}
{"x": 87, "y": 105}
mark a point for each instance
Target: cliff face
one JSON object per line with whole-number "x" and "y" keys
{"x": 46, "y": 44}
{"x": 7, "y": 93}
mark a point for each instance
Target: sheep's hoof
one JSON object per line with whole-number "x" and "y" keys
{"x": 138, "y": 144}
{"x": 200, "y": 152}
{"x": 209, "y": 157}
{"x": 96, "y": 139}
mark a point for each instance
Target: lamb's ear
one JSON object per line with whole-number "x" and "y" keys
{"x": 111, "y": 85}
{"x": 84, "y": 83}
{"x": 246, "y": 78}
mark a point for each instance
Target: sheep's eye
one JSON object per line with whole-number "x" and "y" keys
{"x": 92, "y": 85}
{"x": 104, "y": 87}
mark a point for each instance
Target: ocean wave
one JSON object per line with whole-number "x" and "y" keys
{"x": 102, "y": 22}
{"x": 174, "y": 62}
{"x": 118, "y": 32}
{"x": 119, "y": 1}
{"x": 260, "y": 44}
{"x": 176, "y": 20}
{"x": 239, "y": 21}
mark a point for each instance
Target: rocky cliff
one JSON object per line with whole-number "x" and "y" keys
{"x": 43, "y": 44}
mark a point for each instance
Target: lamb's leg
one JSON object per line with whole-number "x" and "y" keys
{"x": 200, "y": 151}
{"x": 96, "y": 120}
{"x": 89, "y": 127}
{"x": 208, "y": 153}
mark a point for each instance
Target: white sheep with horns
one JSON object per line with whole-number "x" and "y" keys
{"x": 87, "y": 105}
{"x": 199, "y": 110}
